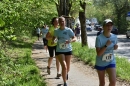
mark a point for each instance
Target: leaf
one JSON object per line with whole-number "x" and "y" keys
{"x": 2, "y": 23}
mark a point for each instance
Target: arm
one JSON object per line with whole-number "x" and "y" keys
{"x": 101, "y": 50}
{"x": 49, "y": 36}
{"x": 53, "y": 38}
{"x": 72, "y": 40}
{"x": 115, "y": 47}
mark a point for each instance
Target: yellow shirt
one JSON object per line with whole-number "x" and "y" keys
{"x": 51, "y": 31}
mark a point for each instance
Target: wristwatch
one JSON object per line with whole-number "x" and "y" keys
{"x": 105, "y": 46}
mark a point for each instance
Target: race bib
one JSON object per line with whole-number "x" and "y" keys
{"x": 55, "y": 41}
{"x": 107, "y": 57}
{"x": 63, "y": 46}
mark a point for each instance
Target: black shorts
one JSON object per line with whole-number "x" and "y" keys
{"x": 51, "y": 50}
{"x": 65, "y": 53}
{"x": 45, "y": 41}
{"x": 38, "y": 35}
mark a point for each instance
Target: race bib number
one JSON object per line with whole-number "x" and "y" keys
{"x": 107, "y": 57}
{"x": 63, "y": 46}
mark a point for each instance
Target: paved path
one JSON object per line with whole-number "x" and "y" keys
{"x": 79, "y": 75}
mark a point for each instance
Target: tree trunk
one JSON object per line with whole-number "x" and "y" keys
{"x": 82, "y": 19}
{"x": 63, "y": 9}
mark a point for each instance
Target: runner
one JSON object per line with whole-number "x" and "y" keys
{"x": 65, "y": 36}
{"x": 38, "y": 32}
{"x": 77, "y": 32}
{"x": 44, "y": 31}
{"x": 52, "y": 47}
{"x": 106, "y": 42}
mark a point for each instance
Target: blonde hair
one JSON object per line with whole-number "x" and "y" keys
{"x": 61, "y": 18}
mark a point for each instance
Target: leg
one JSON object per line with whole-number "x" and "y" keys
{"x": 101, "y": 76}
{"x": 58, "y": 66}
{"x": 112, "y": 76}
{"x": 61, "y": 58}
{"x": 45, "y": 47}
{"x": 38, "y": 36}
{"x": 68, "y": 59}
{"x": 51, "y": 53}
{"x": 45, "y": 43}
{"x": 50, "y": 61}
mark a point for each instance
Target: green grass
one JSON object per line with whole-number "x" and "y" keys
{"x": 84, "y": 53}
{"x": 17, "y": 67}
{"x": 88, "y": 55}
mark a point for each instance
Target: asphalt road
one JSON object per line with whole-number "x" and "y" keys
{"x": 123, "y": 44}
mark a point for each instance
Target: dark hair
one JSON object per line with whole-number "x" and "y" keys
{"x": 43, "y": 26}
{"x": 53, "y": 19}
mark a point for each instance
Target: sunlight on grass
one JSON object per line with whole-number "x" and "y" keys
{"x": 84, "y": 53}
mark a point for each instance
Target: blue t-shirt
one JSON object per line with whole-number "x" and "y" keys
{"x": 44, "y": 32}
{"x": 62, "y": 36}
{"x": 100, "y": 42}
{"x": 38, "y": 30}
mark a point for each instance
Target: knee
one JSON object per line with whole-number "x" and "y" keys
{"x": 64, "y": 67}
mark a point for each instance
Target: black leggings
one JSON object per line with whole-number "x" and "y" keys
{"x": 45, "y": 41}
{"x": 51, "y": 50}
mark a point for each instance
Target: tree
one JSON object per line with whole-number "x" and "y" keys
{"x": 114, "y": 9}
{"x": 20, "y": 17}
{"x": 82, "y": 19}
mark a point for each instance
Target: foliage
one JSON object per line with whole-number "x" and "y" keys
{"x": 21, "y": 17}
{"x": 84, "y": 53}
{"x": 114, "y": 9}
{"x": 17, "y": 67}
{"x": 123, "y": 66}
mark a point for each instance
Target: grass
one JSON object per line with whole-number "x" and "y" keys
{"x": 88, "y": 55}
{"x": 17, "y": 67}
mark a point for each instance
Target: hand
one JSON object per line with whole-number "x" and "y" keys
{"x": 108, "y": 42}
{"x": 67, "y": 41}
{"x": 115, "y": 47}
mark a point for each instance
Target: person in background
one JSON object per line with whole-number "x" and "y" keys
{"x": 52, "y": 47}
{"x": 65, "y": 36}
{"x": 38, "y": 32}
{"x": 77, "y": 32}
{"x": 44, "y": 31}
{"x": 99, "y": 31}
{"x": 106, "y": 42}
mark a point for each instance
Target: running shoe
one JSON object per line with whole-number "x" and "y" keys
{"x": 58, "y": 75}
{"x": 48, "y": 70}
{"x": 65, "y": 84}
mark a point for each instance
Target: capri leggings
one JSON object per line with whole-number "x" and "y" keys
{"x": 52, "y": 50}
{"x": 45, "y": 41}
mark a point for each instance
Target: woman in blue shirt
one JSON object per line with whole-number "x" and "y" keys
{"x": 64, "y": 49}
{"x": 106, "y": 42}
